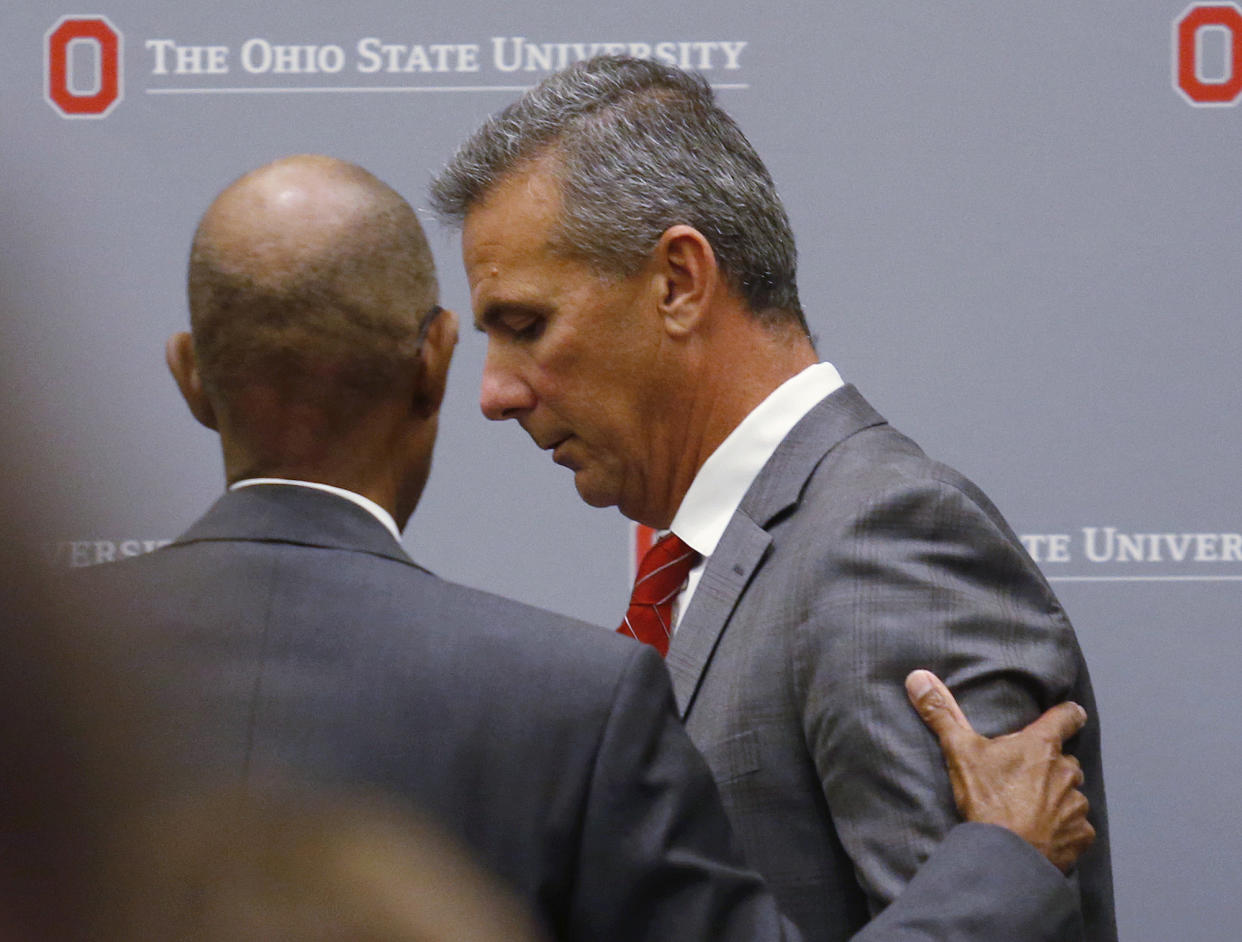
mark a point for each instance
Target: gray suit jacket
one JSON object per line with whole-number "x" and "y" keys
{"x": 852, "y": 560}
{"x": 287, "y": 634}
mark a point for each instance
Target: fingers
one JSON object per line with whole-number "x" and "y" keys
{"x": 1022, "y": 781}
{"x": 1075, "y": 835}
{"x": 1076, "y": 777}
{"x": 931, "y": 698}
{"x": 1059, "y": 723}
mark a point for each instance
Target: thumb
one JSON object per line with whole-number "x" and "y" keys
{"x": 931, "y": 698}
{"x": 1059, "y": 723}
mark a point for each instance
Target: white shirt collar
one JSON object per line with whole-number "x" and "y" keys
{"x": 728, "y": 472}
{"x": 370, "y": 506}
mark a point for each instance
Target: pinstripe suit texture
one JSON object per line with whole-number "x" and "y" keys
{"x": 852, "y": 560}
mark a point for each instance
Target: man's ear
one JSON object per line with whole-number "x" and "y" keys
{"x": 179, "y": 355}
{"x": 435, "y": 355}
{"x": 686, "y": 278}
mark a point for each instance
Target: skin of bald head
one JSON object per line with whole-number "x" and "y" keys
{"x": 309, "y": 280}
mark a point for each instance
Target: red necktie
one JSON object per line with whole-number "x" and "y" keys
{"x": 661, "y": 575}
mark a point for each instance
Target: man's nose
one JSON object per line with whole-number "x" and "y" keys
{"x": 503, "y": 394}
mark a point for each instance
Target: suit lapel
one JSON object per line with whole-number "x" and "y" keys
{"x": 743, "y": 548}
{"x": 725, "y": 577}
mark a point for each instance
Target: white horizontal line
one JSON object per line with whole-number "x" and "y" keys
{"x": 1145, "y": 578}
{"x": 303, "y": 89}
{"x": 357, "y": 89}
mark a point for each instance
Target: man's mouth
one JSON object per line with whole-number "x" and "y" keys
{"x": 559, "y": 453}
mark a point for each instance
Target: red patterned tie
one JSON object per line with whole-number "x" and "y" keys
{"x": 661, "y": 575}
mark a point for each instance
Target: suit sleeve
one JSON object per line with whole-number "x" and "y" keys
{"x": 925, "y": 574}
{"x": 658, "y": 858}
{"x": 981, "y": 883}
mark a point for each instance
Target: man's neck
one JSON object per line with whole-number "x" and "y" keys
{"x": 738, "y": 373}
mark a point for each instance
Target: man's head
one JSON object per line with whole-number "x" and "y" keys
{"x": 633, "y": 270}
{"x": 315, "y": 349}
{"x": 638, "y": 147}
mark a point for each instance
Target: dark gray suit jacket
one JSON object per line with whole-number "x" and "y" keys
{"x": 852, "y": 560}
{"x": 286, "y": 633}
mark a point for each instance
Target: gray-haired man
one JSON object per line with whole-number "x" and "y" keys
{"x": 634, "y": 272}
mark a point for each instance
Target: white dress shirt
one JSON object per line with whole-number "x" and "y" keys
{"x": 728, "y": 472}
{"x": 370, "y": 506}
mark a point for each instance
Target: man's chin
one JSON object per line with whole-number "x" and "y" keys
{"x": 591, "y": 492}
{"x": 608, "y": 497}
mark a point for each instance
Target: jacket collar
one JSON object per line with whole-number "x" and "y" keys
{"x": 744, "y": 547}
{"x": 780, "y": 484}
{"x": 297, "y": 515}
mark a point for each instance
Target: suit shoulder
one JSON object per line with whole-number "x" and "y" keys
{"x": 117, "y": 577}
{"x": 877, "y": 494}
{"x": 879, "y": 464}
{"x": 531, "y": 630}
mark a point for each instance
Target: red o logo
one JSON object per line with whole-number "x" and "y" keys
{"x": 96, "y": 93}
{"x": 1188, "y": 32}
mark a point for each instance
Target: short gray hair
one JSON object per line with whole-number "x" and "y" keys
{"x": 641, "y": 147}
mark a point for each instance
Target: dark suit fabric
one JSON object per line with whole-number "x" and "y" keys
{"x": 286, "y": 634}
{"x": 852, "y": 560}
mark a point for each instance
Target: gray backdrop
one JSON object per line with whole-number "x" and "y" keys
{"x": 1019, "y": 237}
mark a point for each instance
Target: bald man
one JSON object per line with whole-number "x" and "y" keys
{"x": 287, "y": 633}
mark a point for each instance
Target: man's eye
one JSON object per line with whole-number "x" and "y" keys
{"x": 523, "y": 326}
